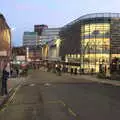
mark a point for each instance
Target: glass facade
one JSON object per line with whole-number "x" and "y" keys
{"x": 98, "y": 37}
{"x": 115, "y": 38}
{"x": 95, "y": 45}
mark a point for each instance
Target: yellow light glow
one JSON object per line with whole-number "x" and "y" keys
{"x": 89, "y": 28}
{"x": 100, "y": 41}
{"x": 115, "y": 55}
{"x": 95, "y": 45}
{"x": 57, "y": 42}
{"x": 78, "y": 56}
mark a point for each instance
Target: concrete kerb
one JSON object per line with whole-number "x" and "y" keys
{"x": 102, "y": 81}
{"x": 10, "y": 93}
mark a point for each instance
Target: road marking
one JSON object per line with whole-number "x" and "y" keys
{"x": 31, "y": 85}
{"x": 63, "y": 103}
{"x": 10, "y": 99}
{"x": 47, "y": 84}
{"x": 53, "y": 102}
{"x": 60, "y": 101}
{"x": 3, "y": 109}
{"x": 13, "y": 95}
{"x": 10, "y": 89}
{"x": 71, "y": 112}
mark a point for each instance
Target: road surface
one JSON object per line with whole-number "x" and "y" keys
{"x": 46, "y": 96}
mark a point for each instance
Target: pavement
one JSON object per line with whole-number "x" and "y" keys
{"x": 93, "y": 78}
{"x": 11, "y": 84}
{"x": 87, "y": 78}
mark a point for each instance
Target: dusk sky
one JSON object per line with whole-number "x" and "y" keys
{"x": 23, "y": 14}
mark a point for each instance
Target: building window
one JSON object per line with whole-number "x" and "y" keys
{"x": 95, "y": 44}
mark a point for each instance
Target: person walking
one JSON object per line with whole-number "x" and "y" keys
{"x": 11, "y": 72}
{"x": 17, "y": 72}
{"x": 59, "y": 70}
{"x": 71, "y": 71}
{"x": 5, "y": 75}
{"x": 75, "y": 71}
{"x": 92, "y": 71}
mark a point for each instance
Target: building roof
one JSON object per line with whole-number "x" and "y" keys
{"x": 94, "y": 15}
{"x": 2, "y": 16}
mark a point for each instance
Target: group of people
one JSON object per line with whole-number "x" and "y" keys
{"x": 58, "y": 69}
{"x": 14, "y": 72}
{"x": 71, "y": 70}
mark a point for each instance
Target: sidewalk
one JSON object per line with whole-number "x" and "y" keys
{"x": 12, "y": 83}
{"x": 91, "y": 78}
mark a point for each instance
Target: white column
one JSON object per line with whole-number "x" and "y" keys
{"x": 27, "y": 53}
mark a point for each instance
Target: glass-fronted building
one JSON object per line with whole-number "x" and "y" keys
{"x": 49, "y": 34}
{"x": 30, "y": 38}
{"x": 98, "y": 36}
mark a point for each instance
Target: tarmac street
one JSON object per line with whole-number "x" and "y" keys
{"x": 46, "y": 96}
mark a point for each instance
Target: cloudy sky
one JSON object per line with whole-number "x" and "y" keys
{"x": 23, "y": 14}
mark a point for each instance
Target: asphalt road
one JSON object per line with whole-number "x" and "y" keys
{"x": 46, "y": 96}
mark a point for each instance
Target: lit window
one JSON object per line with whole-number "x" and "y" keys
{"x": 78, "y": 56}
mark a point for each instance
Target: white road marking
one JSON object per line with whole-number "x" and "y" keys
{"x": 63, "y": 103}
{"x": 31, "y": 85}
{"x": 47, "y": 84}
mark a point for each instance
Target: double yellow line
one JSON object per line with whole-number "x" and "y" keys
{"x": 10, "y": 99}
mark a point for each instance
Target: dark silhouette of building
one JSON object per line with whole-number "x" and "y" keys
{"x": 39, "y": 28}
{"x": 18, "y": 51}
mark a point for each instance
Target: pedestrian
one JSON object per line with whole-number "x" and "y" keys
{"x": 26, "y": 71}
{"x": 82, "y": 70}
{"x": 71, "y": 71}
{"x": 59, "y": 70}
{"x": 63, "y": 69}
{"x": 75, "y": 71}
{"x": 11, "y": 72}
{"x": 5, "y": 75}
{"x": 17, "y": 72}
{"x": 92, "y": 71}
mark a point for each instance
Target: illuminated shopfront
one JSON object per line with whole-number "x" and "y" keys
{"x": 93, "y": 40}
{"x": 95, "y": 45}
